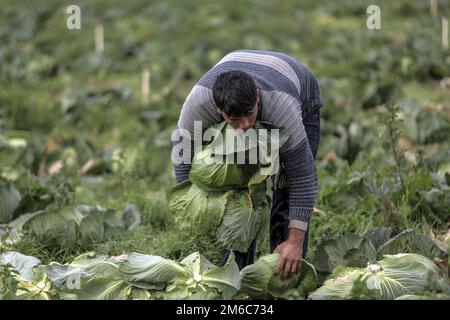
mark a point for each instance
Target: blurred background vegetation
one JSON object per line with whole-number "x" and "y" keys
{"x": 73, "y": 129}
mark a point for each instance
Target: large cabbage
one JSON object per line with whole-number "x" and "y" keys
{"x": 194, "y": 277}
{"x": 136, "y": 276}
{"x": 354, "y": 251}
{"x": 387, "y": 279}
{"x": 216, "y": 167}
{"x": 143, "y": 276}
{"x": 233, "y": 218}
{"x": 70, "y": 225}
{"x": 216, "y": 177}
{"x": 92, "y": 277}
{"x": 9, "y": 201}
{"x": 29, "y": 276}
{"x": 228, "y": 201}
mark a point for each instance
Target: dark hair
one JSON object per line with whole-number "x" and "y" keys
{"x": 234, "y": 93}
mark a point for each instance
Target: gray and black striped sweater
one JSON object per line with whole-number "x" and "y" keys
{"x": 289, "y": 92}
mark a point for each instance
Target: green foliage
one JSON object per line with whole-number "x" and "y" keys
{"x": 357, "y": 251}
{"x": 387, "y": 279}
{"x": 92, "y": 277}
{"x": 259, "y": 281}
{"x": 73, "y": 131}
{"x": 9, "y": 199}
{"x": 70, "y": 225}
{"x": 227, "y": 201}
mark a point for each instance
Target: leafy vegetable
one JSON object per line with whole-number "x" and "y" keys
{"x": 71, "y": 225}
{"x": 209, "y": 175}
{"x": 204, "y": 280}
{"x": 218, "y": 168}
{"x": 193, "y": 278}
{"x": 89, "y": 277}
{"x": 259, "y": 281}
{"x": 29, "y": 277}
{"x": 224, "y": 200}
{"x": 352, "y": 250}
{"x": 150, "y": 272}
{"x": 230, "y": 218}
{"x": 196, "y": 211}
{"x": 239, "y": 223}
{"x": 9, "y": 201}
{"x": 389, "y": 278}
{"x": 23, "y": 264}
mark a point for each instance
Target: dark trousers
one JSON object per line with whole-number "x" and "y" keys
{"x": 279, "y": 215}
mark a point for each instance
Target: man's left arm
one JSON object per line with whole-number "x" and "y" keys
{"x": 301, "y": 172}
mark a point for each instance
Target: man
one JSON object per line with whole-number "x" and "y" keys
{"x": 250, "y": 85}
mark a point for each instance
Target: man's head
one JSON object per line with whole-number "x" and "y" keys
{"x": 236, "y": 98}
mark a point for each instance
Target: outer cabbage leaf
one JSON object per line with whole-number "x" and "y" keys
{"x": 196, "y": 211}
{"x": 239, "y": 223}
{"x": 9, "y": 201}
{"x": 259, "y": 281}
{"x": 23, "y": 264}
{"x": 150, "y": 272}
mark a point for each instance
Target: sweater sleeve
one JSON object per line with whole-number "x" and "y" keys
{"x": 181, "y": 170}
{"x": 197, "y": 109}
{"x": 301, "y": 173}
{"x": 283, "y": 110}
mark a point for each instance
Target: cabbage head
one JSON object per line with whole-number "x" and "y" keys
{"x": 194, "y": 277}
{"x": 259, "y": 281}
{"x": 215, "y": 168}
{"x": 390, "y": 278}
{"x": 28, "y": 274}
{"x": 233, "y": 218}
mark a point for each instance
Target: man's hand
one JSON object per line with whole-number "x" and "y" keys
{"x": 291, "y": 252}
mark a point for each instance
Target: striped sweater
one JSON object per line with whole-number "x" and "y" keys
{"x": 289, "y": 92}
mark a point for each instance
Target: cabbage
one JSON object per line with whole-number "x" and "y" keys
{"x": 193, "y": 278}
{"x": 150, "y": 272}
{"x": 353, "y": 250}
{"x": 143, "y": 276}
{"x": 387, "y": 279}
{"x": 196, "y": 212}
{"x": 259, "y": 281}
{"x": 9, "y": 201}
{"x": 233, "y": 218}
{"x": 90, "y": 277}
{"x": 203, "y": 280}
{"x": 28, "y": 274}
{"x": 425, "y": 126}
{"x": 332, "y": 252}
{"x": 213, "y": 176}
{"x": 37, "y": 288}
{"x": 424, "y": 296}
{"x": 216, "y": 177}
{"x": 226, "y": 202}
{"x": 239, "y": 222}
{"x": 21, "y": 263}
{"x": 71, "y": 225}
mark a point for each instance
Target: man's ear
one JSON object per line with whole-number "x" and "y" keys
{"x": 217, "y": 109}
{"x": 258, "y": 97}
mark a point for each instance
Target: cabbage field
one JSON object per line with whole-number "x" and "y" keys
{"x": 89, "y": 205}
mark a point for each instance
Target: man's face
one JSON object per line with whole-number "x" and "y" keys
{"x": 245, "y": 122}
